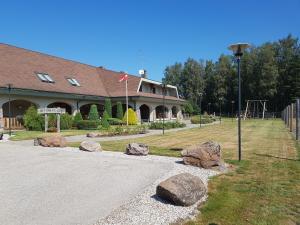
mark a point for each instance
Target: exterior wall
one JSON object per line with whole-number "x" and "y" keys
{"x": 43, "y": 102}
{"x": 152, "y": 107}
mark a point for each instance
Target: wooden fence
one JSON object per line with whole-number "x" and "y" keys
{"x": 15, "y": 124}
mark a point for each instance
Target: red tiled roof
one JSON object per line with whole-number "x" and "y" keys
{"x": 18, "y": 67}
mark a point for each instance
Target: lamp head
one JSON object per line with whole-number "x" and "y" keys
{"x": 238, "y": 48}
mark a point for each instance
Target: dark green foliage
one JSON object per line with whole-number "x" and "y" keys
{"x": 93, "y": 114}
{"x": 270, "y": 71}
{"x": 76, "y": 118}
{"x": 125, "y": 130}
{"x": 33, "y": 120}
{"x": 188, "y": 108}
{"x": 66, "y": 121}
{"x": 120, "y": 113}
{"x": 88, "y": 124}
{"x": 168, "y": 125}
{"x": 107, "y": 107}
{"x": 115, "y": 121}
{"x": 104, "y": 120}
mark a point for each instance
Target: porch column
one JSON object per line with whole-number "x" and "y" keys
{"x": 1, "y": 119}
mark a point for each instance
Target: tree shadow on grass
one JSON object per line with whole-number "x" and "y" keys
{"x": 277, "y": 157}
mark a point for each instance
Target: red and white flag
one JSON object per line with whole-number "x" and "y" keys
{"x": 123, "y": 77}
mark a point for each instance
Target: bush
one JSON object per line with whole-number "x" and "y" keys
{"x": 120, "y": 113}
{"x": 168, "y": 125}
{"x": 188, "y": 108}
{"x": 107, "y": 107}
{"x": 104, "y": 121}
{"x": 88, "y": 124}
{"x": 33, "y": 120}
{"x": 125, "y": 130}
{"x": 76, "y": 118}
{"x": 132, "y": 119}
{"x": 204, "y": 119}
{"x": 66, "y": 121}
{"x": 115, "y": 121}
{"x": 93, "y": 114}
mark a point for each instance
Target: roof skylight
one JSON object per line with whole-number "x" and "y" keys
{"x": 45, "y": 77}
{"x": 73, "y": 82}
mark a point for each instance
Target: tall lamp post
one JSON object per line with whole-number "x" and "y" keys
{"x": 9, "y": 86}
{"x": 232, "y": 104}
{"x": 200, "y": 96}
{"x": 238, "y": 50}
{"x": 220, "y": 102}
{"x": 164, "y": 103}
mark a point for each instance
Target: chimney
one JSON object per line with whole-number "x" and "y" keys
{"x": 143, "y": 73}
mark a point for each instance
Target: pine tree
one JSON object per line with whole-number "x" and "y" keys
{"x": 93, "y": 114}
{"x": 104, "y": 120}
{"x": 77, "y": 118}
{"x": 119, "y": 111}
{"x": 107, "y": 107}
{"x": 132, "y": 118}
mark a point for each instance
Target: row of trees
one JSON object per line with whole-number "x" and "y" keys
{"x": 270, "y": 71}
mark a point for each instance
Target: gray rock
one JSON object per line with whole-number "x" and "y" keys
{"x": 205, "y": 155}
{"x": 183, "y": 189}
{"x": 137, "y": 149}
{"x": 93, "y": 135}
{"x": 90, "y": 146}
{"x": 56, "y": 140}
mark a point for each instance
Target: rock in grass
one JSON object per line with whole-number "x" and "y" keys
{"x": 137, "y": 149}
{"x": 52, "y": 141}
{"x": 205, "y": 155}
{"x": 90, "y": 146}
{"x": 93, "y": 135}
{"x": 183, "y": 189}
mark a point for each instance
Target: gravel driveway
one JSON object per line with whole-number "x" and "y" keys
{"x": 64, "y": 186}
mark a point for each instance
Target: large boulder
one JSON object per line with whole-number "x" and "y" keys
{"x": 183, "y": 189}
{"x": 90, "y": 146}
{"x": 137, "y": 149}
{"x": 52, "y": 141}
{"x": 205, "y": 155}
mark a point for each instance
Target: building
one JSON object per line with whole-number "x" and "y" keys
{"x": 48, "y": 81}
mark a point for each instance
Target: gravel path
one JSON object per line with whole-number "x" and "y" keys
{"x": 146, "y": 208}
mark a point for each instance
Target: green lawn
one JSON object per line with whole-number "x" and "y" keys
{"x": 263, "y": 189}
{"x": 27, "y": 135}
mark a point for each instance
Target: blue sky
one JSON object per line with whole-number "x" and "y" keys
{"x": 129, "y": 35}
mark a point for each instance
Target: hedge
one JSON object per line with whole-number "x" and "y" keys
{"x": 167, "y": 125}
{"x": 88, "y": 124}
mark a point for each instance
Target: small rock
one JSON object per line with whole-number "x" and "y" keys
{"x": 93, "y": 135}
{"x": 205, "y": 155}
{"x": 52, "y": 141}
{"x": 90, "y": 146}
{"x": 137, "y": 149}
{"x": 183, "y": 189}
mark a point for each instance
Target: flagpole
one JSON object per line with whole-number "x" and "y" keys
{"x": 126, "y": 103}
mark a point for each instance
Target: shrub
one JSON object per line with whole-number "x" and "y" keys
{"x": 66, "y": 121}
{"x": 52, "y": 130}
{"x": 124, "y": 130}
{"x": 188, "y": 108}
{"x": 204, "y": 119}
{"x": 88, "y": 124}
{"x": 120, "y": 113}
{"x": 168, "y": 125}
{"x": 33, "y": 120}
{"x": 76, "y": 118}
{"x": 107, "y": 107}
{"x": 51, "y": 120}
{"x": 132, "y": 119}
{"x": 93, "y": 114}
{"x": 115, "y": 121}
{"x": 104, "y": 121}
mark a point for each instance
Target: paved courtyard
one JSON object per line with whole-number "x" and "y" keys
{"x": 54, "y": 186}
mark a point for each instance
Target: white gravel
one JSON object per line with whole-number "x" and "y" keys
{"x": 146, "y": 208}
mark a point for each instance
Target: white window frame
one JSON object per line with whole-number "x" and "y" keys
{"x": 44, "y": 77}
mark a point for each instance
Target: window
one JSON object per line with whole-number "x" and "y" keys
{"x": 45, "y": 77}
{"x": 73, "y": 82}
{"x": 141, "y": 88}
